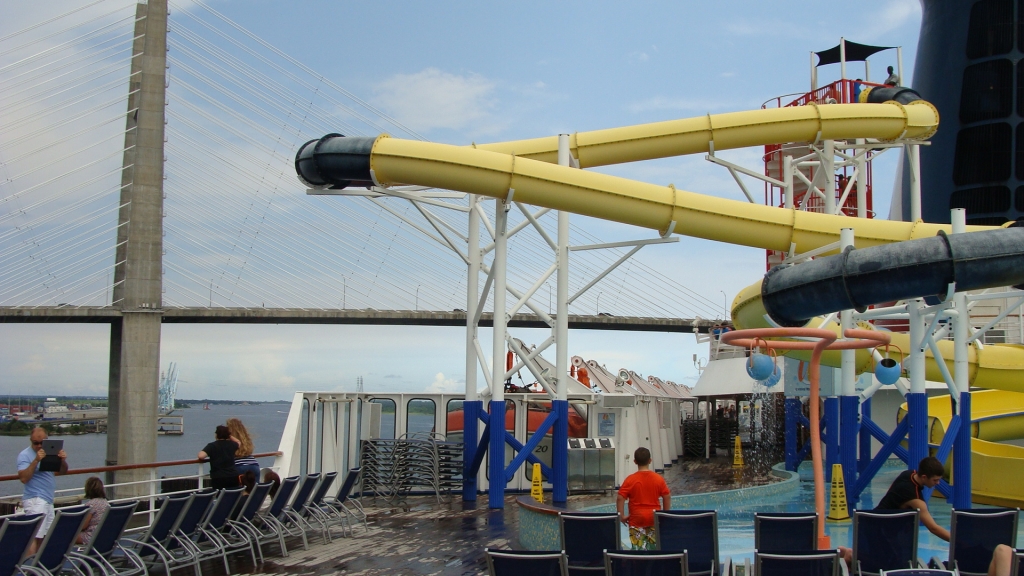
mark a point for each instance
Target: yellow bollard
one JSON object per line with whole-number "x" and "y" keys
{"x": 537, "y": 489}
{"x": 837, "y": 510}
{"x": 737, "y": 455}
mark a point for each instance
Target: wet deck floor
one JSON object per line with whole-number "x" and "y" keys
{"x": 420, "y": 536}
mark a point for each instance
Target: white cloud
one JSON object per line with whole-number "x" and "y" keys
{"x": 433, "y": 99}
{"x": 445, "y": 385}
{"x": 638, "y": 57}
{"x": 895, "y": 15}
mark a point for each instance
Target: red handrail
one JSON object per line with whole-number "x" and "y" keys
{"x": 137, "y": 466}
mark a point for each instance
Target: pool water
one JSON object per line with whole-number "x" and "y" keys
{"x": 736, "y": 522}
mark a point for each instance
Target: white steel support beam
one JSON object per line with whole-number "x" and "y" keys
{"x": 862, "y": 179}
{"x": 787, "y": 179}
{"x": 914, "y": 156}
{"x": 499, "y": 270}
{"x": 562, "y": 288}
{"x": 472, "y": 298}
{"x": 828, "y": 158}
{"x": 848, "y": 365}
{"x": 917, "y": 344}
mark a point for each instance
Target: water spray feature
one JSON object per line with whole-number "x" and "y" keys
{"x": 816, "y": 340}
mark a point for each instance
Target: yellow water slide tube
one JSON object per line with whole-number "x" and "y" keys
{"x": 998, "y": 416}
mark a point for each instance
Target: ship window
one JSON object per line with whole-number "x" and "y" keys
{"x": 1019, "y": 199}
{"x": 981, "y": 200}
{"x": 990, "y": 31}
{"x": 321, "y": 420}
{"x": 454, "y": 421}
{"x": 1020, "y": 150}
{"x": 1020, "y": 87}
{"x": 304, "y": 438}
{"x": 387, "y": 417}
{"x": 987, "y": 91}
{"x": 982, "y": 154}
{"x": 987, "y": 221}
{"x": 538, "y": 411}
{"x": 419, "y": 417}
{"x": 342, "y": 412}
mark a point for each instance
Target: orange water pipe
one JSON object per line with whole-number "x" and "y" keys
{"x": 825, "y": 340}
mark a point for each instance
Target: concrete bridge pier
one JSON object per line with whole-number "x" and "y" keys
{"x": 138, "y": 272}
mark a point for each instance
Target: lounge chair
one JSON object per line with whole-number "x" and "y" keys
{"x": 1018, "y": 561}
{"x": 314, "y": 509}
{"x": 785, "y": 531}
{"x": 103, "y": 553}
{"x": 154, "y": 542}
{"x": 265, "y": 525}
{"x": 586, "y": 536}
{"x": 526, "y": 562}
{"x": 345, "y": 504}
{"x": 974, "y": 535}
{"x": 211, "y": 538}
{"x": 292, "y": 519}
{"x": 241, "y": 524}
{"x": 884, "y": 540}
{"x": 693, "y": 531}
{"x": 645, "y": 563}
{"x": 186, "y": 531}
{"x": 53, "y": 552}
{"x": 798, "y": 563}
{"x": 16, "y": 533}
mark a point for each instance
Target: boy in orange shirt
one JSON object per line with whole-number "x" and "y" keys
{"x": 642, "y": 489}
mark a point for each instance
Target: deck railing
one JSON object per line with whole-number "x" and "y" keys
{"x": 151, "y": 486}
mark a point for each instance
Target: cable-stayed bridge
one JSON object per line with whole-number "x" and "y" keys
{"x": 147, "y": 176}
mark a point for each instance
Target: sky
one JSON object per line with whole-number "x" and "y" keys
{"x": 461, "y": 72}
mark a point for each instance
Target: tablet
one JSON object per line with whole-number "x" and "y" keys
{"x": 53, "y": 447}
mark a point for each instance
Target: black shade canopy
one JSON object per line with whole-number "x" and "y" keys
{"x": 854, "y": 53}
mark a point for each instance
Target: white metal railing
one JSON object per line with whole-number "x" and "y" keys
{"x": 151, "y": 485}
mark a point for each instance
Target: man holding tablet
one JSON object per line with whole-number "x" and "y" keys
{"x": 40, "y": 486}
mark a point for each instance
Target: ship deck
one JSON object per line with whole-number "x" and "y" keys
{"x": 422, "y": 537}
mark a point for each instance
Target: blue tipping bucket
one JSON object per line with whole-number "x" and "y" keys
{"x": 760, "y": 366}
{"x": 774, "y": 378}
{"x": 888, "y": 371}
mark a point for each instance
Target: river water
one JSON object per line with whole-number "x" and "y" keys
{"x": 265, "y": 423}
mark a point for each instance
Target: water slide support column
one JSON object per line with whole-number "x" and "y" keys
{"x": 787, "y": 179}
{"x": 865, "y": 436}
{"x": 496, "y": 447}
{"x": 832, "y": 413}
{"x": 814, "y": 74}
{"x": 472, "y": 405}
{"x": 842, "y": 58}
{"x": 862, "y": 177}
{"x": 832, "y": 427}
{"x": 962, "y": 444}
{"x": 917, "y": 402}
{"x": 849, "y": 401}
{"x": 828, "y": 169}
{"x": 560, "y": 405}
{"x": 914, "y": 156}
{"x": 899, "y": 65}
{"x": 793, "y": 411}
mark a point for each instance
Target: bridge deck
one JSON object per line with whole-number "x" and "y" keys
{"x": 107, "y": 314}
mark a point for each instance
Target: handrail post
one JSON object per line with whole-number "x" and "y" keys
{"x": 152, "y": 495}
